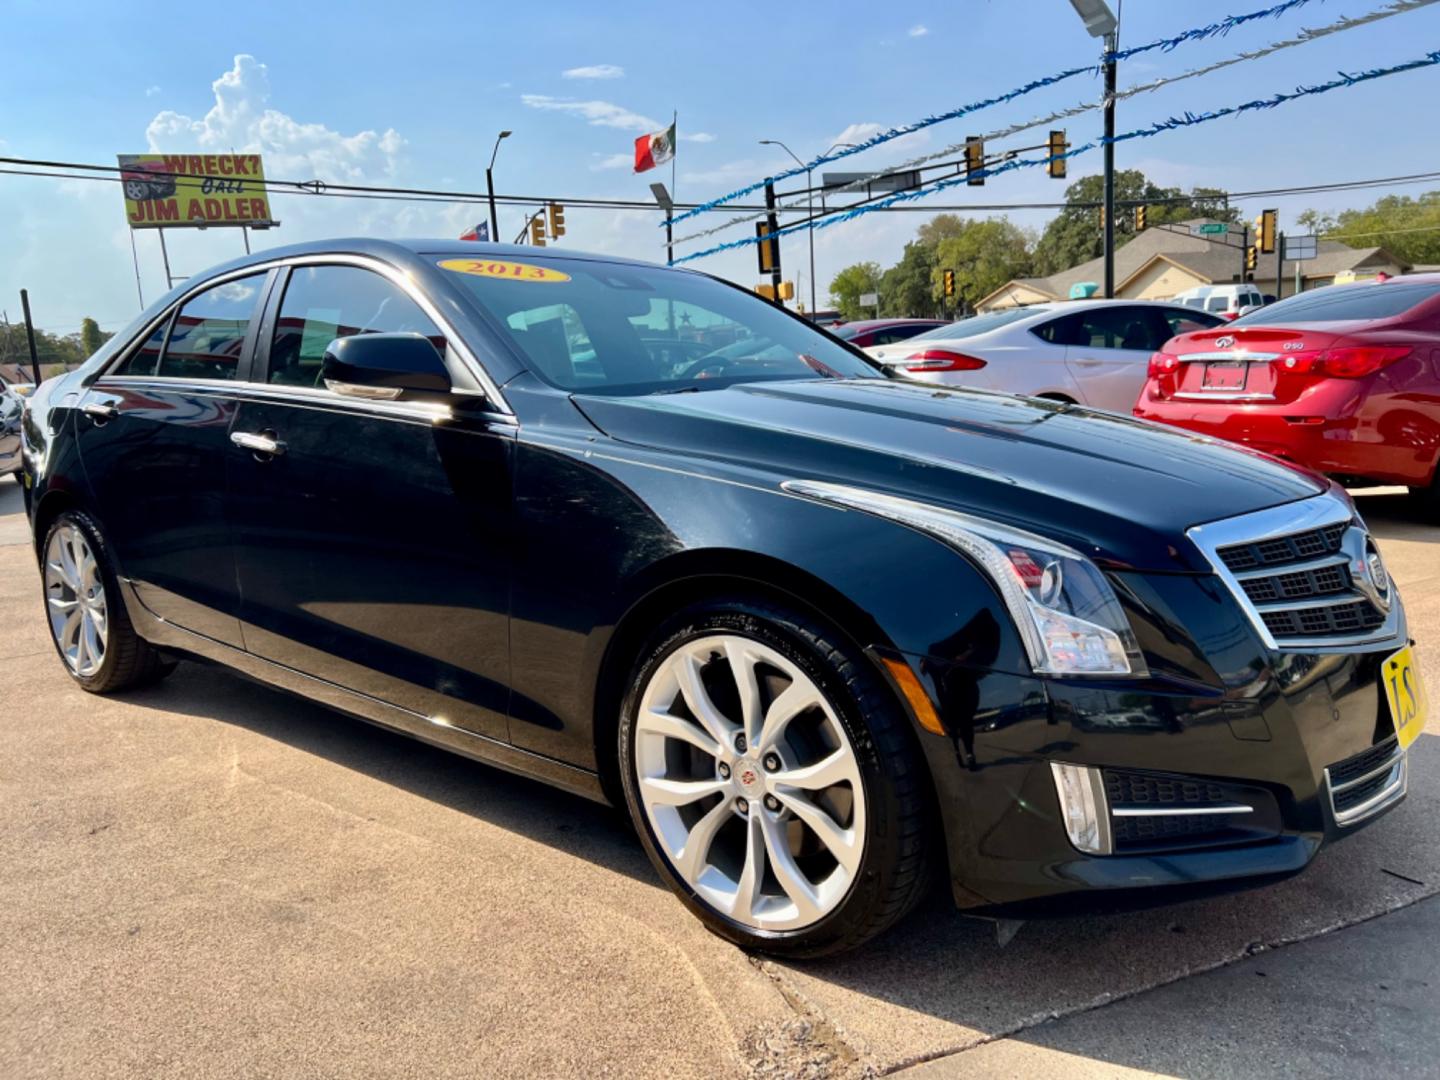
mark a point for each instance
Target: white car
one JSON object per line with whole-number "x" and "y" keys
{"x": 1227, "y": 301}
{"x": 1094, "y": 352}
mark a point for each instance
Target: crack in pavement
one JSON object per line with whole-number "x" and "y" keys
{"x": 1255, "y": 948}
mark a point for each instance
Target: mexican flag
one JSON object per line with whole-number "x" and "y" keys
{"x": 654, "y": 149}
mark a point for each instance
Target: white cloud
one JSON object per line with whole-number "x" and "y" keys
{"x": 595, "y": 71}
{"x": 241, "y": 119}
{"x": 918, "y": 30}
{"x": 612, "y": 161}
{"x": 699, "y": 136}
{"x": 732, "y": 172}
{"x": 151, "y": 91}
{"x": 858, "y": 133}
{"x": 597, "y": 113}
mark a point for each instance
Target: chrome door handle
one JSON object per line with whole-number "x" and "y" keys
{"x": 99, "y": 412}
{"x": 260, "y": 444}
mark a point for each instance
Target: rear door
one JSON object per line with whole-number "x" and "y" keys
{"x": 153, "y": 433}
{"x": 1108, "y": 349}
{"x": 374, "y": 551}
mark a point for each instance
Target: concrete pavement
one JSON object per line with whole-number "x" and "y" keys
{"x": 211, "y": 878}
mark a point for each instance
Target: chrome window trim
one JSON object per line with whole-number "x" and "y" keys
{"x": 1303, "y": 516}
{"x": 300, "y": 396}
{"x": 396, "y": 276}
{"x": 1392, "y": 792}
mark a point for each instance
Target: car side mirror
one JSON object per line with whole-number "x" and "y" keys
{"x": 384, "y": 367}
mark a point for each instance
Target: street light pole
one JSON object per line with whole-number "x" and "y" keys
{"x": 490, "y": 188}
{"x": 1100, "y": 21}
{"x": 810, "y": 211}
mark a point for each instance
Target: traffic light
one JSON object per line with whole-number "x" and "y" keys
{"x": 1102, "y": 219}
{"x": 557, "y": 220}
{"x": 766, "y": 290}
{"x": 974, "y": 160}
{"x": 1056, "y": 165}
{"x": 949, "y": 278}
{"x": 537, "y": 231}
{"x": 1140, "y": 218}
{"x": 1252, "y": 257}
{"x": 787, "y": 290}
{"x": 769, "y": 248}
{"x": 1265, "y": 231}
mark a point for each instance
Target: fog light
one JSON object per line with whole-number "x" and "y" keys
{"x": 1082, "y": 803}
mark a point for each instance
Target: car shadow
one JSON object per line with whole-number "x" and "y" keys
{"x": 535, "y": 810}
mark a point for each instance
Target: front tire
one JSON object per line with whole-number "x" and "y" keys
{"x": 773, "y": 780}
{"x": 86, "y": 613}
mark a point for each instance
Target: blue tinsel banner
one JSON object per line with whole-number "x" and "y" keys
{"x": 1224, "y": 26}
{"x": 1187, "y": 120}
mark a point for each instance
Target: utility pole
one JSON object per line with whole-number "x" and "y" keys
{"x": 1112, "y": 42}
{"x": 772, "y": 223}
{"x": 809, "y": 207}
{"x": 664, "y": 200}
{"x": 1244, "y": 251}
{"x": 165, "y": 256}
{"x": 1279, "y": 266}
{"x": 30, "y": 334}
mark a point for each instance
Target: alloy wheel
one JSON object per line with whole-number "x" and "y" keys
{"x": 749, "y": 782}
{"x": 75, "y": 600}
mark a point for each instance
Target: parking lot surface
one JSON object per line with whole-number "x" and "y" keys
{"x": 210, "y": 878}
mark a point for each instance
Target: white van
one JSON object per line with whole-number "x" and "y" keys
{"x": 1227, "y": 301}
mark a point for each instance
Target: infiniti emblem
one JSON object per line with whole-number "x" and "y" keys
{"x": 1224, "y": 342}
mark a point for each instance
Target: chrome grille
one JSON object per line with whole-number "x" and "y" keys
{"x": 1301, "y": 573}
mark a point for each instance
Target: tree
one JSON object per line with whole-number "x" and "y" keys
{"x": 1074, "y": 235}
{"x": 906, "y": 289}
{"x": 940, "y": 227}
{"x": 849, "y": 284}
{"x": 1408, "y": 228}
{"x": 984, "y": 255}
{"x": 91, "y": 336}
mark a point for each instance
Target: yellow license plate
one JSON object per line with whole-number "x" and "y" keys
{"x": 1406, "y": 694}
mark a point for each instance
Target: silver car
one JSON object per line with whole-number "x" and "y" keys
{"x": 1094, "y": 352}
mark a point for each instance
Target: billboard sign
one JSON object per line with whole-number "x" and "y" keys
{"x": 194, "y": 190}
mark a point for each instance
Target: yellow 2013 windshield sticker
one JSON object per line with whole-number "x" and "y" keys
{"x": 507, "y": 271}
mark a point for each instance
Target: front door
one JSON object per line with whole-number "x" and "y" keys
{"x": 374, "y": 549}
{"x": 153, "y": 434}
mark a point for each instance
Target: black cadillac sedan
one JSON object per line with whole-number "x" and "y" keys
{"x": 636, "y": 532}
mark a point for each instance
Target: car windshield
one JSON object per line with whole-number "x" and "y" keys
{"x": 614, "y": 328}
{"x": 975, "y": 324}
{"x": 1344, "y": 303}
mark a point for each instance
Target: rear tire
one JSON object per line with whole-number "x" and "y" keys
{"x": 796, "y": 825}
{"x": 1427, "y": 499}
{"x": 86, "y": 612}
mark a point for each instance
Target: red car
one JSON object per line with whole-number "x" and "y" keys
{"x": 864, "y": 333}
{"x": 1345, "y": 380}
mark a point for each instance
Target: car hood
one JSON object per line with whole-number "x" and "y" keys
{"x": 1120, "y": 489}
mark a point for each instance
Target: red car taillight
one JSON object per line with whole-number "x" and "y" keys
{"x": 1161, "y": 364}
{"x": 942, "y": 360}
{"x": 1352, "y": 362}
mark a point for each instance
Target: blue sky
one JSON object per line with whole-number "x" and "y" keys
{"x": 413, "y": 94}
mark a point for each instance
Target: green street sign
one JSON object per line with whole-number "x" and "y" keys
{"x": 1212, "y": 229}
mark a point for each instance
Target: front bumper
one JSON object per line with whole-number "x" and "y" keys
{"x": 1270, "y": 742}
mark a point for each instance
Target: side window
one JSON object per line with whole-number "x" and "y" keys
{"x": 1113, "y": 326}
{"x": 892, "y": 334}
{"x": 322, "y": 303}
{"x": 146, "y": 359}
{"x": 208, "y": 334}
{"x": 1058, "y": 331}
{"x": 1218, "y": 303}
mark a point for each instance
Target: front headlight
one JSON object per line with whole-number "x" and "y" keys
{"x": 1064, "y": 608}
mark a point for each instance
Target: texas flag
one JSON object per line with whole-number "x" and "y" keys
{"x": 478, "y": 232}
{"x": 654, "y": 149}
